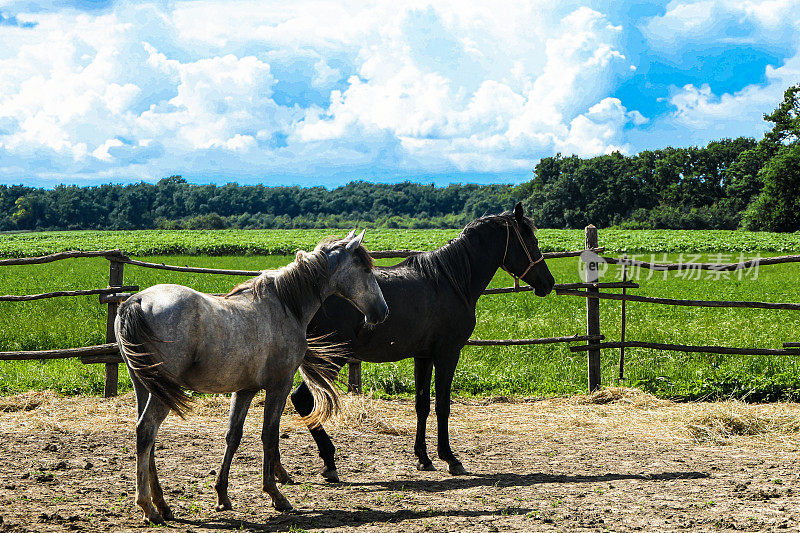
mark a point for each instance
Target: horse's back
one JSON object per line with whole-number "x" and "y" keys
{"x": 215, "y": 344}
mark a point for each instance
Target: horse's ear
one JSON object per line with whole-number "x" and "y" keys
{"x": 519, "y": 213}
{"x": 350, "y": 235}
{"x": 353, "y": 245}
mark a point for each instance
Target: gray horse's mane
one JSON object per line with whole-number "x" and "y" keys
{"x": 301, "y": 280}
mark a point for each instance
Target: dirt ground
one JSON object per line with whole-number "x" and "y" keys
{"x": 618, "y": 461}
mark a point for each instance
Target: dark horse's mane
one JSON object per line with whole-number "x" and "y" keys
{"x": 301, "y": 280}
{"x": 453, "y": 261}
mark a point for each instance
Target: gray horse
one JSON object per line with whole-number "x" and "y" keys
{"x": 173, "y": 338}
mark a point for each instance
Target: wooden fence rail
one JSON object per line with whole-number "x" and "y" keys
{"x": 108, "y": 254}
{"x": 398, "y": 254}
{"x": 718, "y": 267}
{"x": 527, "y": 342}
{"x": 386, "y": 254}
{"x": 686, "y": 348}
{"x": 197, "y": 270}
{"x": 686, "y": 303}
{"x": 57, "y": 294}
{"x": 62, "y": 353}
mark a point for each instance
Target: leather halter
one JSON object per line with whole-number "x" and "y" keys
{"x": 531, "y": 262}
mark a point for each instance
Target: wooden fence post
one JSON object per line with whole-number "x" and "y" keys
{"x": 622, "y": 325}
{"x": 354, "y": 376}
{"x": 593, "y": 310}
{"x": 112, "y": 369}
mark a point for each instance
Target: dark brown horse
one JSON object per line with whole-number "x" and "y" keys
{"x": 432, "y": 297}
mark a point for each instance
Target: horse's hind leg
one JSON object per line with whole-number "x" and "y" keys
{"x": 303, "y": 403}
{"x": 274, "y": 403}
{"x": 445, "y": 368}
{"x": 422, "y": 380}
{"x": 157, "y": 494}
{"x": 142, "y": 394}
{"x": 240, "y": 403}
{"x": 152, "y": 416}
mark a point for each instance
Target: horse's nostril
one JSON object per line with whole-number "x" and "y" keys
{"x": 378, "y": 316}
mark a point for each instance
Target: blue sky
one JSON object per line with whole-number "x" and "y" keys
{"x": 325, "y": 92}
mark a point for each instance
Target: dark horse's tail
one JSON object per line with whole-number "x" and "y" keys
{"x": 132, "y": 332}
{"x": 319, "y": 371}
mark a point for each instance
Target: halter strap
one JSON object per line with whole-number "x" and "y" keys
{"x": 531, "y": 262}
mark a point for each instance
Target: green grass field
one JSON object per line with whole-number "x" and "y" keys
{"x": 276, "y": 242}
{"x": 532, "y": 371}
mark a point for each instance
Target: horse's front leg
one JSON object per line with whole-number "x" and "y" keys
{"x": 445, "y": 368}
{"x": 303, "y": 403}
{"x": 281, "y": 475}
{"x": 423, "y": 368}
{"x": 274, "y": 403}
{"x": 240, "y": 403}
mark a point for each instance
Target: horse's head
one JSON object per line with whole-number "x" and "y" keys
{"x": 352, "y": 278}
{"x": 522, "y": 258}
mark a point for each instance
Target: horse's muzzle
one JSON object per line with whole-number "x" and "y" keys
{"x": 543, "y": 291}
{"x": 544, "y": 282}
{"x": 376, "y": 315}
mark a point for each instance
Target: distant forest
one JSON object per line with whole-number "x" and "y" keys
{"x": 728, "y": 184}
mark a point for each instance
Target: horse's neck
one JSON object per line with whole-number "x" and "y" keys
{"x": 310, "y": 308}
{"x": 486, "y": 256}
{"x": 312, "y": 301}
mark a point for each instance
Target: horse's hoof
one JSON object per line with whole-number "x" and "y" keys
{"x": 282, "y": 505}
{"x": 426, "y": 467}
{"x": 226, "y": 506}
{"x": 166, "y": 513}
{"x": 457, "y": 469}
{"x": 154, "y": 519}
{"x": 330, "y": 475}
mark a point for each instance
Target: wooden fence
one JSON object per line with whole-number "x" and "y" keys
{"x": 593, "y": 297}
{"x": 117, "y": 292}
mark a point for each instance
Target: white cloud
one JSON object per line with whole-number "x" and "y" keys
{"x": 325, "y": 75}
{"x": 101, "y": 152}
{"x": 732, "y": 114}
{"x": 599, "y": 131}
{"x": 698, "y": 113}
{"x": 142, "y": 90}
{"x": 479, "y": 123}
{"x": 723, "y": 21}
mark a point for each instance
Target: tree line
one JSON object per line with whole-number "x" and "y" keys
{"x": 172, "y": 203}
{"x": 727, "y": 184}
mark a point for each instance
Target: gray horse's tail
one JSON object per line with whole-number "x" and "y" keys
{"x": 132, "y": 333}
{"x": 319, "y": 372}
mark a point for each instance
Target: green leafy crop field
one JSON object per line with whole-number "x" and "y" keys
{"x": 529, "y": 370}
{"x": 271, "y": 242}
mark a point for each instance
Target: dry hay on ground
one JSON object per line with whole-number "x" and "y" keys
{"x": 618, "y": 459}
{"x": 611, "y": 411}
